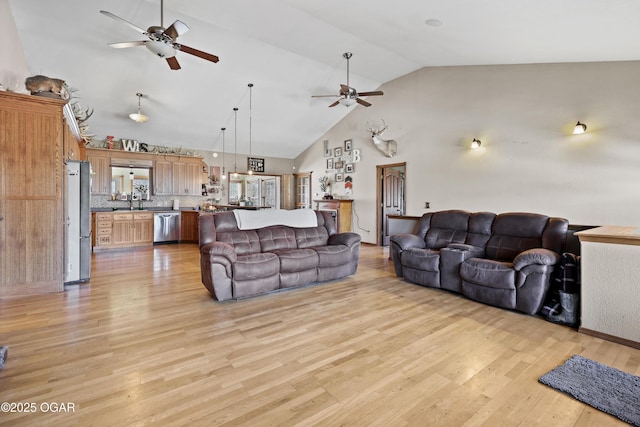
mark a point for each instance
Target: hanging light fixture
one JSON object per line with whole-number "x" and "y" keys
{"x": 250, "y": 171}
{"x": 138, "y": 117}
{"x": 235, "y": 143}
{"x": 224, "y": 171}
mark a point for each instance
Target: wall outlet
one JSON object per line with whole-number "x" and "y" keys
{"x": 426, "y": 205}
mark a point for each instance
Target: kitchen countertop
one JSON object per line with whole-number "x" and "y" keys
{"x": 150, "y": 208}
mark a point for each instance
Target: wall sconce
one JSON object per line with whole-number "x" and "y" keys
{"x": 131, "y": 175}
{"x": 476, "y": 143}
{"x": 580, "y": 128}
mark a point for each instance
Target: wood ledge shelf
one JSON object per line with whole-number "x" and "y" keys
{"x": 615, "y": 234}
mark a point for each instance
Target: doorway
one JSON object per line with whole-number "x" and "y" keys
{"x": 390, "y": 197}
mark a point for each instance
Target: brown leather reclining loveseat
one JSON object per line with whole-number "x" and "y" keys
{"x": 237, "y": 263}
{"x": 504, "y": 260}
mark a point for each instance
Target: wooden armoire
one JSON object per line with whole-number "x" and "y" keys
{"x": 35, "y": 141}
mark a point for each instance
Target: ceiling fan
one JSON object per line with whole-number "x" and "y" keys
{"x": 162, "y": 41}
{"x": 348, "y": 95}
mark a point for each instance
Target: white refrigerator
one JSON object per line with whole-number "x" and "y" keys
{"x": 77, "y": 215}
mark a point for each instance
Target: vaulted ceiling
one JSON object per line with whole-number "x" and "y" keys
{"x": 291, "y": 50}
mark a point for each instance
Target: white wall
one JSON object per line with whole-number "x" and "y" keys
{"x": 529, "y": 160}
{"x": 13, "y": 65}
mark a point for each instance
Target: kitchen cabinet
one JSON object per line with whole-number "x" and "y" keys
{"x": 163, "y": 178}
{"x": 123, "y": 229}
{"x": 186, "y": 179}
{"x": 100, "y": 174}
{"x": 172, "y": 175}
{"x": 31, "y": 197}
{"x": 189, "y": 226}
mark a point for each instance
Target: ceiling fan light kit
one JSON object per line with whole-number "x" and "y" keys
{"x": 349, "y": 95}
{"x": 162, "y": 41}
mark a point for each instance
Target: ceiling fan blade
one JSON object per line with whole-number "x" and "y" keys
{"x": 344, "y": 89}
{"x": 374, "y": 93}
{"x": 196, "y": 52}
{"x": 173, "y": 63}
{"x": 335, "y": 103}
{"x": 176, "y": 29}
{"x": 324, "y": 96}
{"x": 128, "y": 44}
{"x": 124, "y": 21}
{"x": 363, "y": 102}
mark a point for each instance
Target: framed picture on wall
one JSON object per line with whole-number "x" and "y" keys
{"x": 255, "y": 164}
{"x": 326, "y": 149}
{"x": 348, "y": 168}
{"x": 347, "y": 145}
{"x": 339, "y": 177}
{"x": 337, "y": 152}
{"x": 330, "y": 163}
{"x": 338, "y": 164}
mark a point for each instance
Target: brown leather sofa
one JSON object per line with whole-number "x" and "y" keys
{"x": 504, "y": 260}
{"x": 238, "y": 263}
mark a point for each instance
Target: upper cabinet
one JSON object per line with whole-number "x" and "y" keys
{"x": 100, "y": 173}
{"x": 163, "y": 178}
{"x": 171, "y": 175}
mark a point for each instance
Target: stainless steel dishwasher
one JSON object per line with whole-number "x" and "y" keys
{"x": 166, "y": 227}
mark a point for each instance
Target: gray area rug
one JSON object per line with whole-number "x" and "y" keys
{"x": 603, "y": 387}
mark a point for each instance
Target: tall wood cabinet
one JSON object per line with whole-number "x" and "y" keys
{"x": 32, "y": 149}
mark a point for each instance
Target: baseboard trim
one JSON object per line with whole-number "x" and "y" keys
{"x": 612, "y": 338}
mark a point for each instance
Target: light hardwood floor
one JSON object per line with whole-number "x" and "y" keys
{"x": 144, "y": 344}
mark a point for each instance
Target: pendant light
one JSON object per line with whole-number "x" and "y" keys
{"x": 250, "y": 171}
{"x": 235, "y": 143}
{"x": 224, "y": 171}
{"x": 138, "y": 117}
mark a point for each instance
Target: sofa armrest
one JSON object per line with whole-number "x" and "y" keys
{"x": 538, "y": 256}
{"x": 219, "y": 249}
{"x": 406, "y": 241}
{"x": 347, "y": 239}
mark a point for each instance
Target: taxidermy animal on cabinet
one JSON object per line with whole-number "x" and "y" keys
{"x": 35, "y": 84}
{"x": 388, "y": 147}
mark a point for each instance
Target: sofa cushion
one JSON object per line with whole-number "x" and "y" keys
{"x": 447, "y": 227}
{"x": 311, "y": 236}
{"x": 489, "y": 273}
{"x": 421, "y": 259}
{"x": 293, "y": 260}
{"x": 255, "y": 266}
{"x": 332, "y": 256}
{"x": 479, "y": 230}
{"x": 513, "y": 233}
{"x": 276, "y": 238}
{"x": 243, "y": 242}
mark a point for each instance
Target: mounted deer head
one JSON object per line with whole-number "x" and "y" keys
{"x": 389, "y": 147}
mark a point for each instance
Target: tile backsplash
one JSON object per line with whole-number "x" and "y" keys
{"x": 104, "y": 201}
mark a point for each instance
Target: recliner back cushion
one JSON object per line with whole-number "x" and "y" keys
{"x": 480, "y": 228}
{"x": 243, "y": 241}
{"x": 311, "y": 236}
{"x": 513, "y": 233}
{"x": 447, "y": 227}
{"x": 275, "y": 238}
